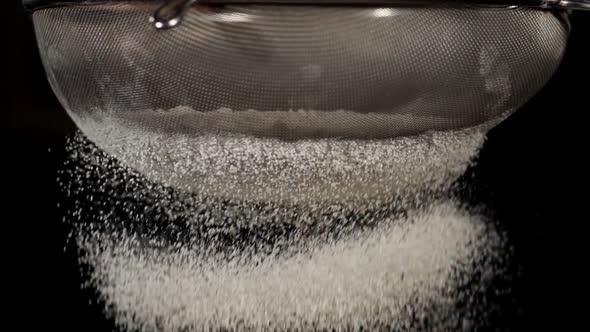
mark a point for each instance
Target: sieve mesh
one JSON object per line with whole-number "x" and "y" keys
{"x": 298, "y": 71}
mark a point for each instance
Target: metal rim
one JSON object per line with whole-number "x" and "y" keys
{"x": 548, "y": 4}
{"x": 171, "y": 12}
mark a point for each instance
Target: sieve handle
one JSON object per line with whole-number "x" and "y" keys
{"x": 170, "y": 13}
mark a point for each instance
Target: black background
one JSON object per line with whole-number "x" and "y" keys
{"x": 530, "y": 174}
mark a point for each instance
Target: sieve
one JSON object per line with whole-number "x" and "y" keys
{"x": 298, "y": 69}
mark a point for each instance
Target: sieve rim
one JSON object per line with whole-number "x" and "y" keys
{"x": 542, "y": 4}
{"x": 170, "y": 12}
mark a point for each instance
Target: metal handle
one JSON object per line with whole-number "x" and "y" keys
{"x": 170, "y": 14}
{"x": 573, "y": 4}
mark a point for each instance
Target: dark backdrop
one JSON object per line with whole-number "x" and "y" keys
{"x": 530, "y": 173}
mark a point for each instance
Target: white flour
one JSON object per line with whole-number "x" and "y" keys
{"x": 241, "y": 167}
{"x": 260, "y": 233}
{"x": 379, "y": 279}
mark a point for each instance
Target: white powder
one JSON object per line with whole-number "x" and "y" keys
{"x": 373, "y": 281}
{"x": 241, "y": 167}
{"x": 261, "y": 233}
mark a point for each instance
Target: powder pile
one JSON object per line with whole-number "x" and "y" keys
{"x": 231, "y": 232}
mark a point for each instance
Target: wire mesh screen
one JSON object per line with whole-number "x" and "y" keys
{"x": 298, "y": 71}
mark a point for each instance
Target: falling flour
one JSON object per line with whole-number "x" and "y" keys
{"x": 244, "y": 167}
{"x": 376, "y": 281}
{"x": 231, "y": 232}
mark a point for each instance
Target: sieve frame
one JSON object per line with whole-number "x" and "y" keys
{"x": 171, "y": 12}
{"x": 314, "y": 98}
{"x": 544, "y": 4}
